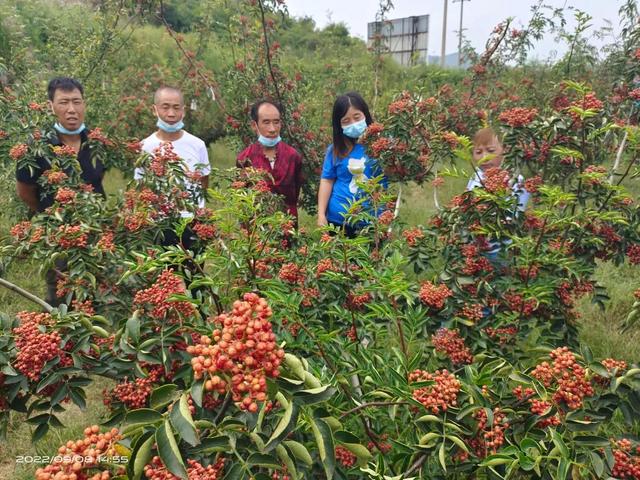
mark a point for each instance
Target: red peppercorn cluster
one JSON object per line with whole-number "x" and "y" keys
{"x": 195, "y": 471}
{"x": 531, "y": 185}
{"x": 355, "y": 301}
{"x": 204, "y": 230}
{"x": 244, "y": 352}
{"x": 567, "y": 376}
{"x": 352, "y": 334}
{"x": 157, "y": 296}
{"x": 522, "y": 393}
{"x": 518, "y": 117}
{"x": 386, "y": 218}
{"x": 280, "y": 475}
{"x": 161, "y": 156}
{"x": 434, "y": 296}
{"x": 83, "y": 459}
{"x": 35, "y": 347}
{"x": 308, "y": 295}
{"x": 614, "y": 367}
{"x": 85, "y": 307}
{"x": 54, "y": 177}
{"x": 64, "y": 151}
{"x": 633, "y": 252}
{"x": 594, "y": 174}
{"x": 472, "y": 311}
{"x": 105, "y": 243}
{"x": 473, "y": 261}
{"x": 452, "y": 345}
{"x": 541, "y": 407}
{"x": 325, "y": 265}
{"x": 627, "y": 465}
{"x": 385, "y": 447}
{"x": 71, "y": 236}
{"x": 20, "y": 231}
{"x": 412, "y": 236}
{"x": 291, "y": 273}
{"x": 589, "y": 102}
{"x": 516, "y": 304}
{"x": 450, "y": 139}
{"x": 503, "y": 335}
{"x": 97, "y": 135}
{"x": 489, "y": 438}
{"x": 65, "y": 195}
{"x": 133, "y": 394}
{"x": 345, "y": 457}
{"x": 380, "y": 145}
{"x": 18, "y": 151}
{"x": 440, "y": 396}
{"x": 496, "y": 180}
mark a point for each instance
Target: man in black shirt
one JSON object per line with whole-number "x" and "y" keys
{"x": 66, "y": 101}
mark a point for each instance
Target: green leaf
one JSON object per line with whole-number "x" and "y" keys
{"x": 162, "y": 396}
{"x": 458, "y": 441}
{"x": 324, "y": 440}
{"x": 559, "y": 443}
{"x": 197, "y": 391}
{"x": 182, "y": 421}
{"x": 563, "y": 468}
{"x": 236, "y": 472}
{"x": 141, "y": 456}
{"x": 133, "y": 327}
{"x": 285, "y": 426}
{"x": 315, "y": 395}
{"x": 211, "y": 445}
{"x": 40, "y": 432}
{"x": 591, "y": 441}
{"x": 284, "y": 457}
{"x": 442, "y": 457}
{"x": 168, "y": 451}
{"x": 360, "y": 451}
{"x": 142, "y": 415}
{"x": 299, "y": 451}
{"x": 262, "y": 460}
{"x": 429, "y": 418}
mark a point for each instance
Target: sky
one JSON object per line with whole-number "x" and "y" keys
{"x": 479, "y": 19}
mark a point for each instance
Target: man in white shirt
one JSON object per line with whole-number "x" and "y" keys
{"x": 168, "y": 106}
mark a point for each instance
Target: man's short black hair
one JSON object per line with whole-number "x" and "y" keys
{"x": 256, "y": 106}
{"x": 65, "y": 84}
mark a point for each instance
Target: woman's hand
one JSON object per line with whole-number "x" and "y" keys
{"x": 322, "y": 221}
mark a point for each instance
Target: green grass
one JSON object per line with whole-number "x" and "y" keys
{"x": 598, "y": 329}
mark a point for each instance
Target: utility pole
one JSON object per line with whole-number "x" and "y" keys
{"x": 460, "y": 31}
{"x": 444, "y": 33}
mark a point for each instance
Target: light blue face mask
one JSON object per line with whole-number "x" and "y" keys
{"x": 355, "y": 130}
{"x": 169, "y": 127}
{"x": 60, "y": 129}
{"x": 269, "y": 142}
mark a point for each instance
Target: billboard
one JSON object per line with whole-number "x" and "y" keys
{"x": 406, "y": 40}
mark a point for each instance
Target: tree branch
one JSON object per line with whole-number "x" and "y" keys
{"x": 20, "y": 291}
{"x": 372, "y": 404}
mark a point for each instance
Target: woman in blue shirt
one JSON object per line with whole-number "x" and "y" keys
{"x": 345, "y": 163}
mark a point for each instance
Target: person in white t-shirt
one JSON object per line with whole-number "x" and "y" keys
{"x": 488, "y": 153}
{"x": 168, "y": 106}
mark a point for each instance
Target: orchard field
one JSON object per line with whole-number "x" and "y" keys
{"x": 281, "y": 353}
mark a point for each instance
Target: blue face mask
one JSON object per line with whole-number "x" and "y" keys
{"x": 60, "y": 129}
{"x": 169, "y": 127}
{"x": 355, "y": 130}
{"x": 269, "y": 142}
